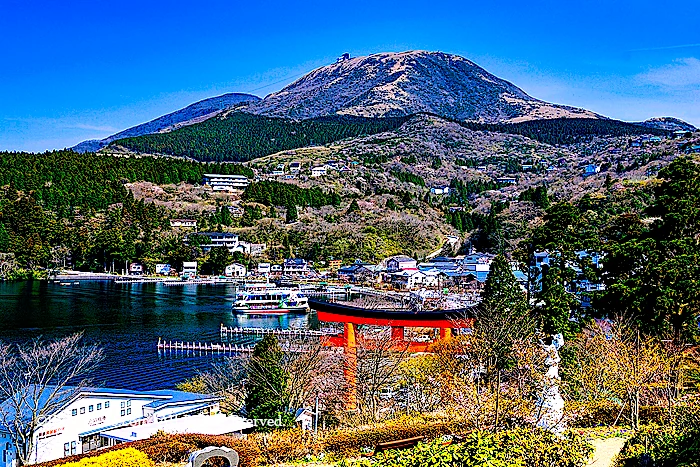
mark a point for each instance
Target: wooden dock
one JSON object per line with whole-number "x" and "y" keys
{"x": 227, "y": 332}
{"x": 203, "y": 348}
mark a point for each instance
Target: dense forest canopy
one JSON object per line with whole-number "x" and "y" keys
{"x": 241, "y": 137}
{"x": 567, "y": 130}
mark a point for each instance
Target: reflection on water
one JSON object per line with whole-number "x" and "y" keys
{"x": 128, "y": 319}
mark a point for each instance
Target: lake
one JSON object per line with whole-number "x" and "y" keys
{"x": 127, "y": 320}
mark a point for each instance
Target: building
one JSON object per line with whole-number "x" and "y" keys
{"x": 408, "y": 279}
{"x": 359, "y": 273}
{"x": 400, "y": 263}
{"x": 304, "y": 419}
{"x": 506, "y": 181}
{"x": 209, "y": 240}
{"x": 295, "y": 167}
{"x": 189, "y": 269}
{"x": 264, "y": 268}
{"x": 319, "y": 171}
{"x": 445, "y": 190}
{"x": 163, "y": 269}
{"x": 591, "y": 169}
{"x": 219, "y": 182}
{"x": 135, "y": 269}
{"x": 183, "y": 223}
{"x": 235, "y": 270}
{"x": 84, "y": 420}
{"x": 296, "y": 266}
{"x": 276, "y": 269}
{"x": 334, "y": 264}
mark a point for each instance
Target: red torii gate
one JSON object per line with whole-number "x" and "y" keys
{"x": 398, "y": 320}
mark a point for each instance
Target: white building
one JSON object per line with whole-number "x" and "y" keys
{"x": 189, "y": 268}
{"x": 90, "y": 419}
{"x": 264, "y": 268}
{"x": 163, "y": 269}
{"x": 319, "y": 171}
{"x": 408, "y": 280}
{"x": 296, "y": 266}
{"x": 135, "y": 269}
{"x": 400, "y": 263}
{"x": 219, "y": 182}
{"x": 183, "y": 223}
{"x": 440, "y": 190}
{"x": 235, "y": 270}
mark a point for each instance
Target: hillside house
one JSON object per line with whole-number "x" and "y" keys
{"x": 263, "y": 268}
{"x": 319, "y": 171}
{"x": 295, "y": 167}
{"x": 506, "y": 181}
{"x": 296, "y": 267}
{"x": 359, "y": 273}
{"x": 276, "y": 269}
{"x": 183, "y": 223}
{"x": 219, "y": 182}
{"x": 591, "y": 169}
{"x": 444, "y": 190}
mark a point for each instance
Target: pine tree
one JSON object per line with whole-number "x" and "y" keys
{"x": 354, "y": 207}
{"x": 501, "y": 291}
{"x": 292, "y": 215}
{"x": 267, "y": 396}
{"x": 4, "y": 238}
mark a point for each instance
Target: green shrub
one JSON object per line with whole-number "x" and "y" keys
{"x": 590, "y": 414}
{"x": 514, "y": 448}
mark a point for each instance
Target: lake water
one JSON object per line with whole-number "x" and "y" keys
{"x": 127, "y": 320}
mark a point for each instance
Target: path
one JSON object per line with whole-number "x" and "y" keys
{"x": 605, "y": 451}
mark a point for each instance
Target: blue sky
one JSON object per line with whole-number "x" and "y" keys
{"x": 71, "y": 71}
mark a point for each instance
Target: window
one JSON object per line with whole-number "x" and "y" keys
{"x": 82, "y": 410}
{"x": 123, "y": 412}
{"x": 128, "y": 403}
{"x": 91, "y": 408}
{"x": 123, "y": 404}
{"x": 66, "y": 449}
{"x": 74, "y": 412}
{"x": 107, "y": 405}
{"x": 73, "y": 448}
{"x": 128, "y": 411}
{"x": 99, "y": 406}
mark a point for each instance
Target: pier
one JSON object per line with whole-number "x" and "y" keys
{"x": 227, "y": 332}
{"x": 203, "y": 348}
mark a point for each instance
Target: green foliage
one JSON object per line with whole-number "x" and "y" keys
{"x": 436, "y": 164}
{"x": 354, "y": 207}
{"x": 219, "y": 258}
{"x": 267, "y": 397}
{"x": 567, "y": 130}
{"x": 292, "y": 214}
{"x": 408, "y": 177}
{"x": 557, "y": 305}
{"x": 515, "y": 448}
{"x": 537, "y": 195}
{"x": 272, "y": 193}
{"x": 241, "y": 136}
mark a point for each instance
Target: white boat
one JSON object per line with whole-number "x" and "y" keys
{"x": 270, "y": 301}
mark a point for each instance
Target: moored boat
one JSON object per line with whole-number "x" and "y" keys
{"x": 270, "y": 301}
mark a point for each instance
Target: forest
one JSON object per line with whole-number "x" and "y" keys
{"x": 271, "y": 193}
{"x": 241, "y": 136}
{"x": 561, "y": 131}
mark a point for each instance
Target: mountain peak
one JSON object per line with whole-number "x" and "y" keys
{"x": 402, "y": 83}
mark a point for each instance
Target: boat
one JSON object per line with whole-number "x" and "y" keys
{"x": 270, "y": 301}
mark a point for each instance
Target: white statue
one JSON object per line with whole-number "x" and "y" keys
{"x": 549, "y": 410}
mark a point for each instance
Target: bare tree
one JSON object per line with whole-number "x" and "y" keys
{"x": 36, "y": 379}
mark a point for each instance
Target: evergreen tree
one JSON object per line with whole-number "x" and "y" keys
{"x": 437, "y": 163}
{"x": 502, "y": 294}
{"x": 292, "y": 215}
{"x": 219, "y": 258}
{"x": 4, "y": 239}
{"x": 267, "y": 396}
{"x": 556, "y": 304}
{"x": 272, "y": 213}
{"x": 354, "y": 207}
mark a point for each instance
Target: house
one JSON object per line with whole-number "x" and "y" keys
{"x": 400, "y": 263}
{"x": 440, "y": 190}
{"x": 319, "y": 171}
{"x": 254, "y": 249}
{"x": 506, "y": 181}
{"x": 189, "y": 269}
{"x": 304, "y": 419}
{"x": 85, "y": 420}
{"x": 527, "y": 167}
{"x": 591, "y": 169}
{"x": 219, "y": 182}
{"x": 183, "y": 223}
{"x": 135, "y": 269}
{"x": 163, "y": 269}
{"x": 277, "y": 173}
{"x": 264, "y": 268}
{"x": 655, "y": 139}
{"x": 235, "y": 211}
{"x": 295, "y": 167}
{"x": 235, "y": 270}
{"x": 276, "y": 269}
{"x": 359, "y": 273}
{"x": 408, "y": 279}
{"x": 209, "y": 240}
{"x": 481, "y": 168}
{"x": 296, "y": 266}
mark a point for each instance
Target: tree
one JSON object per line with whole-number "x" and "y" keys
{"x": 354, "y": 207}
{"x": 4, "y": 238}
{"x": 219, "y": 258}
{"x": 292, "y": 215}
{"x": 502, "y": 320}
{"x": 36, "y": 380}
{"x": 267, "y": 397}
{"x": 556, "y": 305}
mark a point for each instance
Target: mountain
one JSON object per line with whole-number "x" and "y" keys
{"x": 397, "y": 84}
{"x": 194, "y": 113}
{"x": 668, "y": 123}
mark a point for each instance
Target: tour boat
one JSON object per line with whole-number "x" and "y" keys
{"x": 271, "y": 301}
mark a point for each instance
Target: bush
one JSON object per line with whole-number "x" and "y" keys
{"x": 515, "y": 448}
{"x": 121, "y": 458}
{"x": 590, "y": 414}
